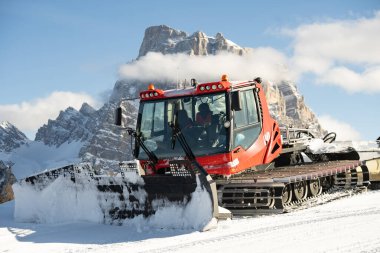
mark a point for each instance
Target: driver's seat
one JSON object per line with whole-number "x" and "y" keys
{"x": 183, "y": 119}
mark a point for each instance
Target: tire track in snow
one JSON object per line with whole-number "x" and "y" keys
{"x": 255, "y": 232}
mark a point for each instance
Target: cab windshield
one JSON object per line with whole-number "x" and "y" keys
{"x": 200, "y": 118}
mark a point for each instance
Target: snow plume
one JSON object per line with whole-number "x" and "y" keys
{"x": 29, "y": 116}
{"x": 265, "y": 62}
{"x": 341, "y": 53}
{"x": 63, "y": 201}
{"x": 343, "y": 130}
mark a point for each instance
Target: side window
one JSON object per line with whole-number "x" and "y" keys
{"x": 247, "y": 126}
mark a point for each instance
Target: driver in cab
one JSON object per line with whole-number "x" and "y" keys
{"x": 204, "y": 115}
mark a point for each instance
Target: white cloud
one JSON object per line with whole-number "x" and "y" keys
{"x": 265, "y": 62}
{"x": 343, "y": 53}
{"x": 29, "y": 116}
{"x": 343, "y": 130}
{"x": 367, "y": 81}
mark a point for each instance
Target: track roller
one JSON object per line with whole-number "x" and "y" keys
{"x": 300, "y": 190}
{"x": 287, "y": 194}
{"x": 315, "y": 187}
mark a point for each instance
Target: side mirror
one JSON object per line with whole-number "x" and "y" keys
{"x": 118, "y": 116}
{"x": 258, "y": 80}
{"x": 235, "y": 101}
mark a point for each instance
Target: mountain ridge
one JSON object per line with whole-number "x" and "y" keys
{"x": 11, "y": 137}
{"x": 167, "y": 40}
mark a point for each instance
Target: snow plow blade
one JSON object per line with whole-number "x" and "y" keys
{"x": 125, "y": 194}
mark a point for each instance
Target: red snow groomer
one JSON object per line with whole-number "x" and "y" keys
{"x": 219, "y": 137}
{"x": 223, "y": 132}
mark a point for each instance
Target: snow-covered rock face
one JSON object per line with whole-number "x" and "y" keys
{"x": 126, "y": 89}
{"x": 288, "y": 107}
{"x": 70, "y": 125}
{"x": 103, "y": 142}
{"x": 6, "y": 181}
{"x": 167, "y": 40}
{"x": 11, "y": 137}
{"x": 109, "y": 144}
{"x": 100, "y": 141}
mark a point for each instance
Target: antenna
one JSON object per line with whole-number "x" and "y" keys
{"x": 193, "y": 82}
{"x": 177, "y": 70}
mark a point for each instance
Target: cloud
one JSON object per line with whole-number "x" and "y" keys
{"x": 29, "y": 116}
{"x": 343, "y": 130}
{"x": 265, "y": 62}
{"x": 367, "y": 81}
{"x": 342, "y": 53}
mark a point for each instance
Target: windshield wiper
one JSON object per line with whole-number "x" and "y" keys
{"x": 178, "y": 135}
{"x": 151, "y": 155}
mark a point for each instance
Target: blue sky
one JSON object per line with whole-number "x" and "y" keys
{"x": 52, "y": 52}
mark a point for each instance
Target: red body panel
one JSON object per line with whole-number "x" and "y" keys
{"x": 264, "y": 150}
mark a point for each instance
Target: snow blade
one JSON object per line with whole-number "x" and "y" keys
{"x": 158, "y": 191}
{"x": 125, "y": 195}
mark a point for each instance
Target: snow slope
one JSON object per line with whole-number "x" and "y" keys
{"x": 346, "y": 225}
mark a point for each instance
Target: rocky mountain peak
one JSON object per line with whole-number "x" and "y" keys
{"x": 160, "y": 39}
{"x": 70, "y": 125}
{"x": 87, "y": 109}
{"x": 167, "y": 40}
{"x": 219, "y": 36}
{"x": 199, "y": 34}
{"x": 11, "y": 137}
{"x": 5, "y": 125}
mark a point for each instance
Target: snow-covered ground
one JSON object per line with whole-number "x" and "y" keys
{"x": 346, "y": 225}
